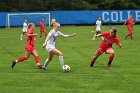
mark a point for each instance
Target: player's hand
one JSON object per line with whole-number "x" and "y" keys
{"x": 44, "y": 44}
{"x": 35, "y": 34}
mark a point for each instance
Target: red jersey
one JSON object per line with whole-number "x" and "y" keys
{"x": 41, "y": 24}
{"x": 130, "y": 22}
{"x": 108, "y": 40}
{"x": 30, "y": 39}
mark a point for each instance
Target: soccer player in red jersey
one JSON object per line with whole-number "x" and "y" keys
{"x": 106, "y": 46}
{"x": 130, "y": 22}
{"x": 42, "y": 28}
{"x": 29, "y": 48}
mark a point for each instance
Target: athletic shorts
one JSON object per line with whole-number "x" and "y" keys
{"x": 102, "y": 50}
{"x": 29, "y": 48}
{"x": 24, "y": 30}
{"x": 98, "y": 29}
{"x": 49, "y": 48}
{"x": 129, "y": 28}
{"x": 42, "y": 29}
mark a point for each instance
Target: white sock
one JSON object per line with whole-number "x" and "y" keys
{"x": 61, "y": 61}
{"x": 102, "y": 38}
{"x": 47, "y": 61}
{"x": 21, "y": 37}
{"x": 94, "y": 37}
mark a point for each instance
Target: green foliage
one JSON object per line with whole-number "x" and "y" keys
{"x": 47, "y": 5}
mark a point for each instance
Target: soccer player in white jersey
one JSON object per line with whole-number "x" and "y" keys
{"x": 24, "y": 30}
{"x": 50, "y": 45}
{"x": 98, "y": 27}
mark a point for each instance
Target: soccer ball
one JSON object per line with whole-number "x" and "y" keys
{"x": 66, "y": 68}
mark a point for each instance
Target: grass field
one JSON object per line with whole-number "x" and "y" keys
{"x": 123, "y": 77}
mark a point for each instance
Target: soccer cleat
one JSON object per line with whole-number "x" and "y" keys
{"x": 125, "y": 38}
{"x": 13, "y": 64}
{"x": 42, "y": 67}
{"x": 109, "y": 65}
{"x": 91, "y": 65}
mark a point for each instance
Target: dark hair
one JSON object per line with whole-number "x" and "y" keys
{"x": 114, "y": 30}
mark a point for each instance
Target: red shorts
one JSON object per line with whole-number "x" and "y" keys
{"x": 102, "y": 50}
{"x": 29, "y": 48}
{"x": 129, "y": 28}
{"x": 42, "y": 29}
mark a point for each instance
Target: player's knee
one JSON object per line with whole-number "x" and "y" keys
{"x": 60, "y": 54}
{"x": 112, "y": 53}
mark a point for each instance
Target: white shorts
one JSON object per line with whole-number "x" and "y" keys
{"x": 98, "y": 29}
{"x": 49, "y": 48}
{"x": 24, "y": 30}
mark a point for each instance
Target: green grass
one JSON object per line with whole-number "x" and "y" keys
{"x": 123, "y": 77}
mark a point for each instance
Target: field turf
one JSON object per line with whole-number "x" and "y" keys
{"x": 123, "y": 77}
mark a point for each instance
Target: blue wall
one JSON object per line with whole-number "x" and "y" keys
{"x": 80, "y": 17}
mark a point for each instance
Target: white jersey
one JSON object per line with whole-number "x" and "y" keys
{"x": 98, "y": 25}
{"x": 25, "y": 25}
{"x": 52, "y": 37}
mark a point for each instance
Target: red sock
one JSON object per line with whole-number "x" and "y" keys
{"x": 37, "y": 59}
{"x": 22, "y": 59}
{"x": 111, "y": 58}
{"x": 131, "y": 36}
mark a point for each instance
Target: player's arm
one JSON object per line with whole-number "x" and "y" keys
{"x": 99, "y": 35}
{"x": 72, "y": 35}
{"x": 95, "y": 26}
{"x": 30, "y": 34}
{"x": 124, "y": 23}
{"x": 118, "y": 44}
{"x": 51, "y": 22}
{"x": 133, "y": 22}
{"x": 46, "y": 40}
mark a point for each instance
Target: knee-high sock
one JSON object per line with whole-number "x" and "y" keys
{"x": 131, "y": 35}
{"x": 102, "y": 38}
{"x": 21, "y": 36}
{"x": 111, "y": 59}
{"x": 21, "y": 59}
{"x": 61, "y": 60}
{"x": 47, "y": 61}
{"x": 37, "y": 59}
{"x": 94, "y": 37}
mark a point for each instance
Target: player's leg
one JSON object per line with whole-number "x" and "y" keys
{"x": 101, "y": 36}
{"x": 97, "y": 32}
{"x": 45, "y": 33}
{"x": 111, "y": 52}
{"x": 54, "y": 51}
{"x": 40, "y": 34}
{"x": 96, "y": 55}
{"x": 21, "y": 37}
{"x": 37, "y": 59}
{"x": 131, "y": 32}
{"x": 47, "y": 61}
{"x": 21, "y": 59}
